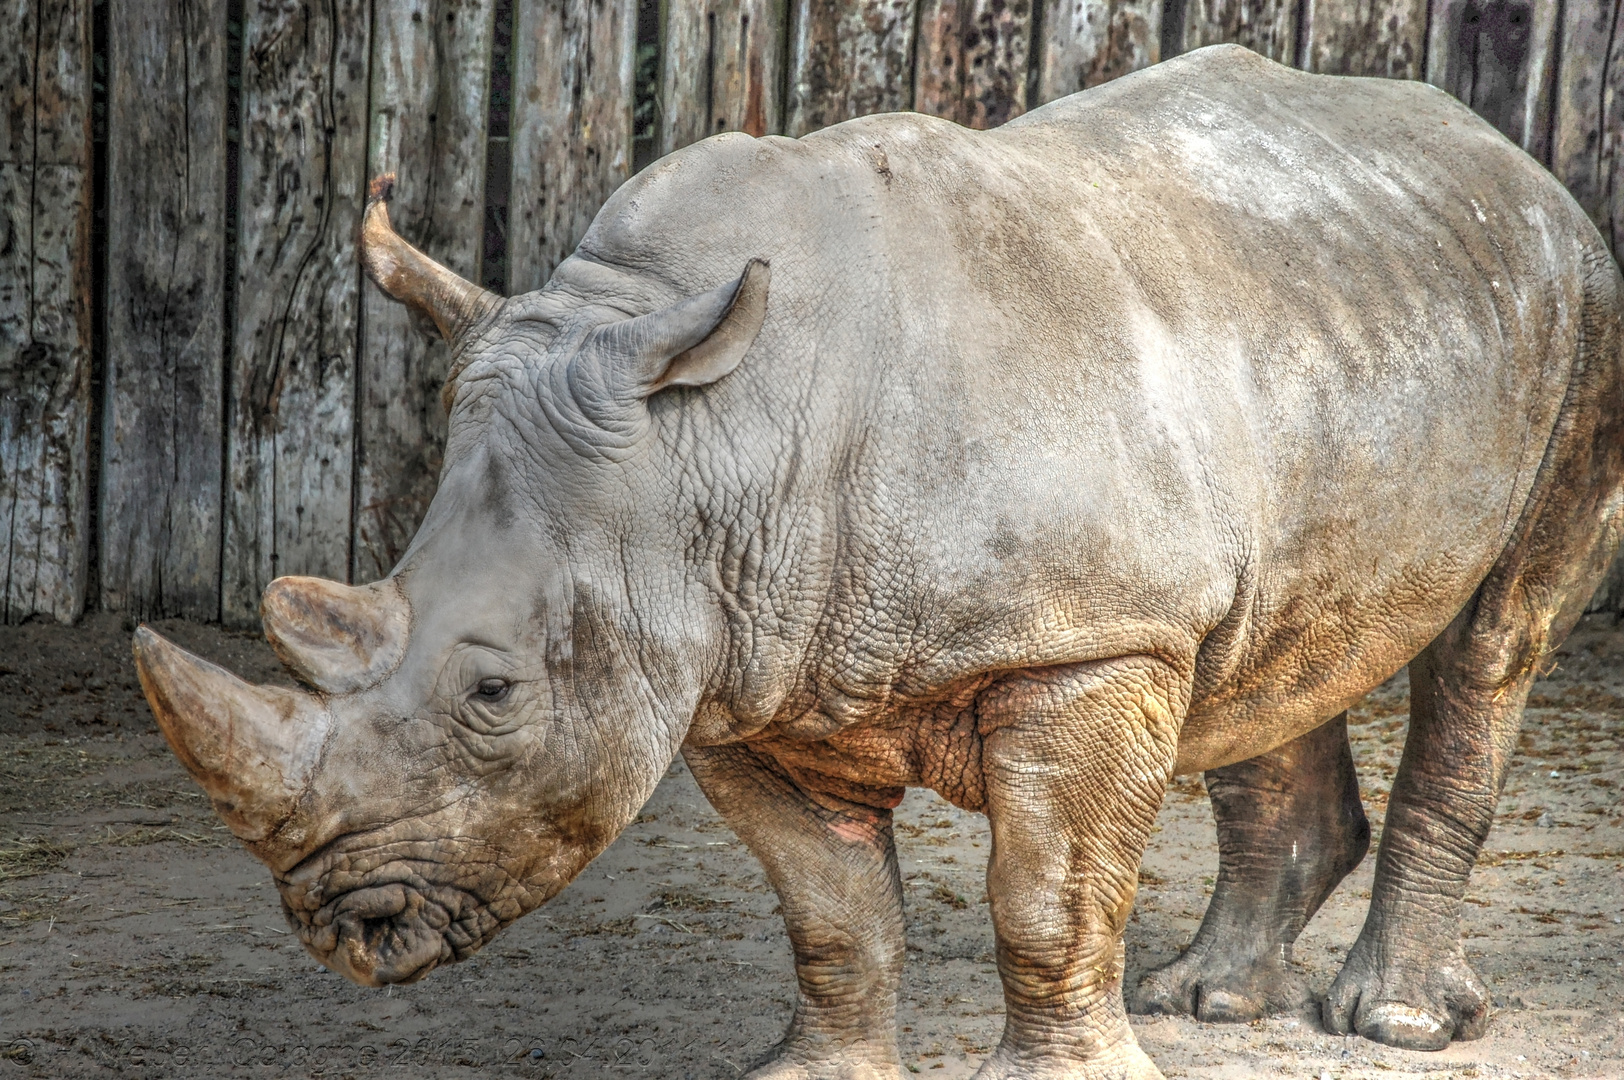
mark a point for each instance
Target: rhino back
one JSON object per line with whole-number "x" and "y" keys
{"x": 1219, "y": 361}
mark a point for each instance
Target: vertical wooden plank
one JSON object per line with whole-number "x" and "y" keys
{"x": 1088, "y": 42}
{"x": 162, "y": 436}
{"x": 847, "y": 58}
{"x": 722, "y": 69}
{"x": 1588, "y": 132}
{"x": 493, "y": 240}
{"x": 1268, "y": 27}
{"x": 1587, "y": 150}
{"x": 1365, "y": 37}
{"x": 1499, "y": 57}
{"x": 970, "y": 61}
{"x": 45, "y": 189}
{"x": 573, "y": 67}
{"x": 292, "y": 393}
{"x": 430, "y": 94}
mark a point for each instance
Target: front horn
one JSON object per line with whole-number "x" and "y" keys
{"x": 253, "y": 749}
{"x": 452, "y": 303}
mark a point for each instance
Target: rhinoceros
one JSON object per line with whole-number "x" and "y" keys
{"x": 1140, "y": 436}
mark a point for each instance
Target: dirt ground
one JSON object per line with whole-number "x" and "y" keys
{"x": 137, "y": 939}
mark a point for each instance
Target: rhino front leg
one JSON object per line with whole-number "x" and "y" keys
{"x": 1075, "y": 762}
{"x": 834, "y": 867}
{"x": 1290, "y": 827}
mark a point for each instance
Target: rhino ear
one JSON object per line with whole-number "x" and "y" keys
{"x": 694, "y": 342}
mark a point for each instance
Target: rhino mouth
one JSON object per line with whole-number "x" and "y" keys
{"x": 381, "y": 936}
{"x": 390, "y": 932}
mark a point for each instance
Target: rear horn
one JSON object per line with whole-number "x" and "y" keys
{"x": 454, "y": 305}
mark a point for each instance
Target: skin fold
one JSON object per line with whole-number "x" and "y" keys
{"x": 1141, "y": 436}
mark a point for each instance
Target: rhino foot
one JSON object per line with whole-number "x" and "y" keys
{"x": 796, "y": 1059}
{"x": 1420, "y": 1001}
{"x": 851, "y": 1070}
{"x": 1222, "y": 988}
{"x": 1125, "y": 1061}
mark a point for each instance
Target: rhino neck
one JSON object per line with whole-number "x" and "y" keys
{"x": 748, "y": 483}
{"x": 761, "y": 530}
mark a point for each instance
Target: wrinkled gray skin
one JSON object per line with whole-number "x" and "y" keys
{"x": 1142, "y": 435}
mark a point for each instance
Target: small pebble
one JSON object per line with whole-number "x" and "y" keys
{"x": 1544, "y": 821}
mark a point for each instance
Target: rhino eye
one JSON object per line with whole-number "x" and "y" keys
{"x": 492, "y": 691}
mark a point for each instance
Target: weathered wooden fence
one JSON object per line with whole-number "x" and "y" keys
{"x": 199, "y": 394}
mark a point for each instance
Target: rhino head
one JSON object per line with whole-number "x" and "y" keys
{"x": 478, "y": 726}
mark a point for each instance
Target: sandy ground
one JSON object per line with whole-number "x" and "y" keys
{"x": 137, "y": 939}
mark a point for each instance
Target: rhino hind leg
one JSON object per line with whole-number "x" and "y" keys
{"x": 1406, "y": 981}
{"x": 1290, "y": 827}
